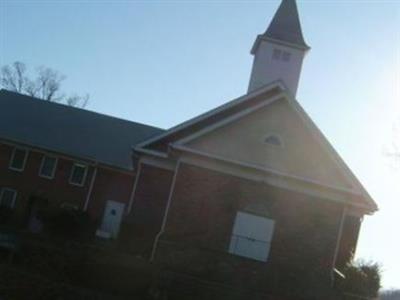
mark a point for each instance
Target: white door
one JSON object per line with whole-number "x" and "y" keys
{"x": 251, "y": 236}
{"x": 112, "y": 217}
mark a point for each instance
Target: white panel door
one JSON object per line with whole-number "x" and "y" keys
{"x": 112, "y": 217}
{"x": 251, "y": 236}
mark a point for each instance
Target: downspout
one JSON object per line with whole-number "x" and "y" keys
{"x": 164, "y": 222}
{"x": 89, "y": 194}
{"x": 139, "y": 169}
{"x": 338, "y": 240}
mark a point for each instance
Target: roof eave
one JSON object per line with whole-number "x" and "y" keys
{"x": 263, "y": 37}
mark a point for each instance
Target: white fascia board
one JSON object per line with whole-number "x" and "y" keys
{"x": 150, "y": 152}
{"x": 262, "y": 37}
{"x": 214, "y": 111}
{"x": 271, "y": 179}
{"x": 330, "y": 149}
{"x": 162, "y": 163}
{"x": 229, "y": 119}
{"x": 266, "y": 170}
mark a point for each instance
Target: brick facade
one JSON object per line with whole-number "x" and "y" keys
{"x": 109, "y": 184}
{"x": 200, "y": 222}
{"x": 150, "y": 200}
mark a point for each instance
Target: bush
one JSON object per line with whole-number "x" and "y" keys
{"x": 5, "y": 215}
{"x": 362, "y": 279}
{"x": 67, "y": 223}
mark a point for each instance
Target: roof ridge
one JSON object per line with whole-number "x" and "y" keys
{"x": 73, "y": 108}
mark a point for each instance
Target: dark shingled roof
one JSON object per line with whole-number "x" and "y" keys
{"x": 285, "y": 26}
{"x": 71, "y": 131}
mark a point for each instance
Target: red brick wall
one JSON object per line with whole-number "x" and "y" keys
{"x": 148, "y": 207}
{"x": 109, "y": 185}
{"x": 200, "y": 221}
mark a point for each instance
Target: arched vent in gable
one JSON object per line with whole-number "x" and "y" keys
{"x": 274, "y": 140}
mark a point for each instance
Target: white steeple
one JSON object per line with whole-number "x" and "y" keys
{"x": 279, "y": 52}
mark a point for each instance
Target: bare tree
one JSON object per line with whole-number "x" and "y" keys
{"x": 46, "y": 85}
{"x": 75, "y": 100}
{"x": 13, "y": 77}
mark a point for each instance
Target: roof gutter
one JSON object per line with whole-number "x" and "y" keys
{"x": 89, "y": 194}
{"x": 338, "y": 241}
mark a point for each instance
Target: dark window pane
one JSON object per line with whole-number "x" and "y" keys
{"x": 273, "y": 140}
{"x": 286, "y": 56}
{"x": 7, "y": 198}
{"x": 277, "y": 54}
{"x": 78, "y": 174}
{"x": 48, "y": 166}
{"x": 18, "y": 159}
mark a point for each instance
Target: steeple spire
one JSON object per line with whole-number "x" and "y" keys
{"x": 285, "y": 26}
{"x": 279, "y": 51}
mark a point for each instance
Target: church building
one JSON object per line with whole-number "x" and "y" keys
{"x": 251, "y": 194}
{"x": 249, "y": 198}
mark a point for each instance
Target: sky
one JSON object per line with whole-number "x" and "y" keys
{"x": 163, "y": 62}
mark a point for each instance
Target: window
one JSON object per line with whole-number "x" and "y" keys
{"x": 78, "y": 174}
{"x": 251, "y": 236}
{"x": 278, "y": 54}
{"x": 8, "y": 197}
{"x": 286, "y": 56}
{"x": 274, "y": 140}
{"x": 48, "y": 167}
{"x": 18, "y": 159}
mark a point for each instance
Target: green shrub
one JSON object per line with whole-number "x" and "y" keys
{"x": 67, "y": 223}
{"x": 362, "y": 279}
{"x": 5, "y": 215}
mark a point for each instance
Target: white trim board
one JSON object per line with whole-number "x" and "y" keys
{"x": 255, "y": 93}
{"x": 284, "y": 94}
{"x": 229, "y": 120}
{"x": 89, "y": 193}
{"x": 162, "y": 163}
{"x": 151, "y": 152}
{"x": 262, "y": 177}
{"x": 166, "y": 211}
{"x": 265, "y": 169}
{"x": 310, "y": 125}
{"x": 148, "y": 161}
{"x": 135, "y": 183}
{"x": 320, "y": 137}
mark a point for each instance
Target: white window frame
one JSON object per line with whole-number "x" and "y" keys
{"x": 2, "y": 190}
{"x": 84, "y": 175}
{"x": 235, "y": 239}
{"x": 42, "y": 164}
{"x": 13, "y": 156}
